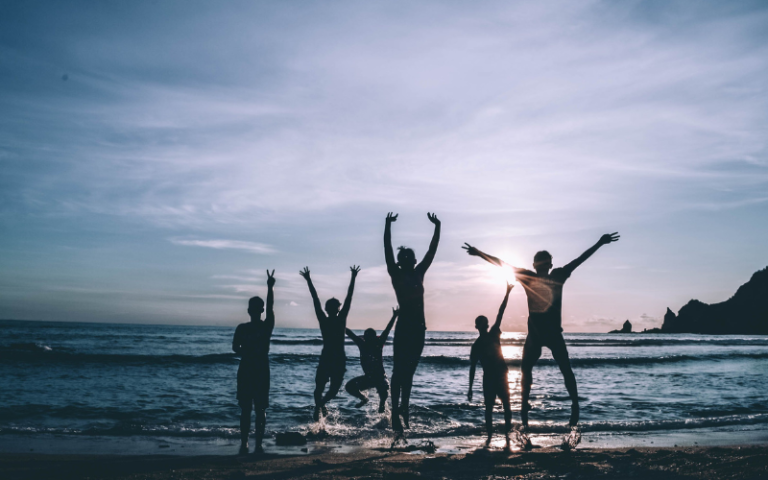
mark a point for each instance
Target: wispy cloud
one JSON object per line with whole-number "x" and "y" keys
{"x": 252, "y": 247}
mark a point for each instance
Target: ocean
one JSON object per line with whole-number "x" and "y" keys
{"x": 177, "y": 384}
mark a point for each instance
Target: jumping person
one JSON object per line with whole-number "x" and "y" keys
{"x": 333, "y": 359}
{"x": 371, "y": 347}
{"x": 487, "y": 351}
{"x": 544, "y": 290}
{"x": 251, "y": 342}
{"x": 408, "y": 281}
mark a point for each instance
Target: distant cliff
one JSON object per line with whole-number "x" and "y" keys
{"x": 746, "y": 312}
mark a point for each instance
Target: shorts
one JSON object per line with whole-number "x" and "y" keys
{"x": 496, "y": 384}
{"x": 366, "y": 382}
{"x": 253, "y": 384}
{"x": 534, "y": 343}
{"x": 331, "y": 368}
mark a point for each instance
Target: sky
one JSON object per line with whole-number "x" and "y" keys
{"x": 156, "y": 157}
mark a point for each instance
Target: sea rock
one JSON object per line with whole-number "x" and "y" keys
{"x": 745, "y": 313}
{"x": 290, "y": 439}
{"x": 626, "y": 328}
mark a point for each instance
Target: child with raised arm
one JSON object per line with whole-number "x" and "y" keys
{"x": 371, "y": 347}
{"x": 487, "y": 351}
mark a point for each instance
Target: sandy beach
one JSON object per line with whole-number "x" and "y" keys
{"x": 744, "y": 462}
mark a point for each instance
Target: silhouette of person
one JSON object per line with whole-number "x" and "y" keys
{"x": 487, "y": 351}
{"x": 333, "y": 359}
{"x": 371, "y": 347}
{"x": 251, "y": 342}
{"x": 408, "y": 281}
{"x": 544, "y": 290}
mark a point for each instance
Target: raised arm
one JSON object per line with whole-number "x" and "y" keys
{"x": 358, "y": 341}
{"x": 270, "y": 318}
{"x": 604, "y": 240}
{"x": 389, "y": 254}
{"x": 430, "y": 256}
{"x": 315, "y": 300}
{"x": 348, "y": 301}
{"x": 488, "y": 258}
{"x": 503, "y": 306}
{"x": 385, "y": 334}
{"x": 473, "y": 365}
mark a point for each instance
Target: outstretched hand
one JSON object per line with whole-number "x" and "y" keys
{"x": 433, "y": 218}
{"x": 470, "y": 249}
{"x": 391, "y": 217}
{"x": 271, "y": 278}
{"x": 304, "y": 273}
{"x": 395, "y": 311}
{"x": 355, "y": 269}
{"x": 608, "y": 238}
{"x": 510, "y": 286}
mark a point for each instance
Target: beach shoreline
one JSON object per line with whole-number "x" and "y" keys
{"x": 586, "y": 463}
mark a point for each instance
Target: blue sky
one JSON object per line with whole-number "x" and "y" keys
{"x": 157, "y": 157}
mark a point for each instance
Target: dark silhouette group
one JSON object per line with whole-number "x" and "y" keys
{"x": 543, "y": 288}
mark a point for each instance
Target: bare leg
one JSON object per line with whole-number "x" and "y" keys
{"x": 507, "y": 409}
{"x": 245, "y": 425}
{"x": 489, "y": 421}
{"x": 353, "y": 388}
{"x": 560, "y": 354}
{"x": 405, "y": 406}
{"x": 383, "y": 393}
{"x": 319, "y": 387}
{"x": 336, "y": 382}
{"x": 261, "y": 425}
{"x": 396, "y": 425}
{"x": 531, "y": 354}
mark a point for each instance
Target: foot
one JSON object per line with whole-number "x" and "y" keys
{"x": 243, "y": 449}
{"x": 382, "y": 407}
{"x": 316, "y": 414}
{"x": 259, "y": 449}
{"x": 396, "y": 425}
{"x": 488, "y": 440}
{"x": 406, "y": 417}
{"x": 324, "y": 411}
{"x": 361, "y": 402}
{"x": 574, "y": 415}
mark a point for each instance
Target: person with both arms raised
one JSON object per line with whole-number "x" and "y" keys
{"x": 333, "y": 359}
{"x": 487, "y": 351}
{"x": 251, "y": 342}
{"x": 371, "y": 347}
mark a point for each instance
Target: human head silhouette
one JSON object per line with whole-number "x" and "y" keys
{"x": 406, "y": 259}
{"x": 369, "y": 335}
{"x": 542, "y": 262}
{"x": 332, "y": 306}
{"x": 255, "y": 307}
{"x": 481, "y": 324}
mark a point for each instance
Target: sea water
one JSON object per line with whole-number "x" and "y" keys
{"x": 82, "y": 380}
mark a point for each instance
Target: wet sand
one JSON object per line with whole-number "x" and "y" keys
{"x": 745, "y": 462}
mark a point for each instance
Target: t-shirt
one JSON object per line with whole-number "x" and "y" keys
{"x": 487, "y": 350}
{"x": 545, "y": 299}
{"x": 253, "y": 337}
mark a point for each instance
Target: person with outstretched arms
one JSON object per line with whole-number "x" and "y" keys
{"x": 544, "y": 291}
